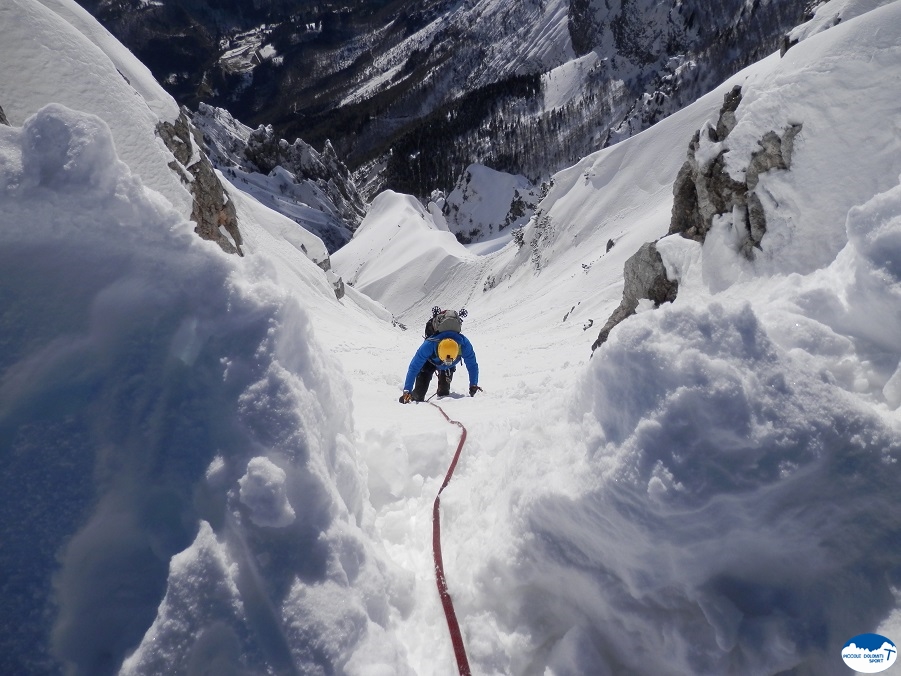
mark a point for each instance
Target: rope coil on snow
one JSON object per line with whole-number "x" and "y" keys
{"x": 452, "y": 624}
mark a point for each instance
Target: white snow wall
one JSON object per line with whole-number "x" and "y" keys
{"x": 157, "y": 399}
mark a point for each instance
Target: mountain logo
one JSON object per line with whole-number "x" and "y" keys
{"x": 869, "y": 653}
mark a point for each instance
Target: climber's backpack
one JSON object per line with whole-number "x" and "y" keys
{"x": 444, "y": 320}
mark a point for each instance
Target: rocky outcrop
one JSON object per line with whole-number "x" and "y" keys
{"x": 3, "y": 119}
{"x": 775, "y": 153}
{"x": 645, "y": 278}
{"x": 293, "y": 174}
{"x": 704, "y": 189}
{"x": 267, "y": 151}
{"x": 337, "y": 284}
{"x": 212, "y": 210}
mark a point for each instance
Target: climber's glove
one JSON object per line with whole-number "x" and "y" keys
{"x": 405, "y": 397}
{"x": 473, "y": 389}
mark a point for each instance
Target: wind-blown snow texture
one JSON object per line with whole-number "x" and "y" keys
{"x": 142, "y": 379}
{"x": 206, "y": 468}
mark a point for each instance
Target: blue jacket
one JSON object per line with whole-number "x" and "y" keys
{"x": 428, "y": 351}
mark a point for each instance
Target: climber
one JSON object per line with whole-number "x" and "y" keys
{"x": 441, "y": 351}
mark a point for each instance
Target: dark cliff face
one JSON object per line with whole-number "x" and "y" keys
{"x": 721, "y": 33}
{"x": 583, "y": 27}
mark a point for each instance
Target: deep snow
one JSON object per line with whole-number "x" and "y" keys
{"x": 207, "y": 469}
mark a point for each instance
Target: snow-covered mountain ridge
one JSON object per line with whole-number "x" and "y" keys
{"x": 557, "y": 79}
{"x": 313, "y": 189}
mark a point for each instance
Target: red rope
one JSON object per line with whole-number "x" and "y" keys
{"x": 452, "y": 624}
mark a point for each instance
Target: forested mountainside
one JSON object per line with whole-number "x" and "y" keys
{"x": 523, "y": 86}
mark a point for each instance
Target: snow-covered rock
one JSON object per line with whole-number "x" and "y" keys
{"x": 313, "y": 189}
{"x": 485, "y": 203}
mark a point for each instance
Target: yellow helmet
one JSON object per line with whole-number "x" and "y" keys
{"x": 448, "y": 350}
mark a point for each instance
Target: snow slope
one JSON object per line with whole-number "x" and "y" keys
{"x": 712, "y": 491}
{"x": 121, "y": 90}
{"x": 207, "y": 467}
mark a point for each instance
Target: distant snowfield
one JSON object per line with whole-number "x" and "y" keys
{"x": 563, "y": 84}
{"x": 206, "y": 465}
